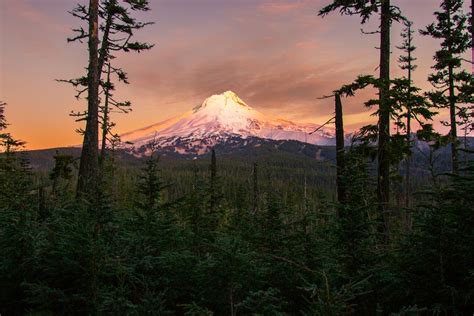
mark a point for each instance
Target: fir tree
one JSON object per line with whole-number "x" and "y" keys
{"x": 150, "y": 186}
{"x": 18, "y": 230}
{"x": 62, "y": 172}
{"x": 388, "y": 14}
{"x": 117, "y": 29}
{"x": 410, "y": 104}
{"x": 454, "y": 86}
{"x": 436, "y": 269}
{"x": 88, "y": 167}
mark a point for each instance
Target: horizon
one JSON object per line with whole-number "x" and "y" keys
{"x": 278, "y": 56}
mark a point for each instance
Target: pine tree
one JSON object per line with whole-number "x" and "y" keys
{"x": 388, "y": 14}
{"x": 150, "y": 186}
{"x": 62, "y": 172}
{"x": 409, "y": 105}
{"x": 436, "y": 260}
{"x": 89, "y": 164}
{"x": 117, "y": 28}
{"x": 406, "y": 63}
{"x": 454, "y": 86}
{"x": 18, "y": 229}
{"x": 6, "y": 140}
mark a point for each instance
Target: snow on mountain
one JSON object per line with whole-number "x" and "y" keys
{"x": 221, "y": 118}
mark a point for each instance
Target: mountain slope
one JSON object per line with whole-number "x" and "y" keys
{"x": 221, "y": 119}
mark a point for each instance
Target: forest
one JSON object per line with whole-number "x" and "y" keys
{"x": 375, "y": 229}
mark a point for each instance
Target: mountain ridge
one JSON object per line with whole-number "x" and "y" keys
{"x": 219, "y": 119}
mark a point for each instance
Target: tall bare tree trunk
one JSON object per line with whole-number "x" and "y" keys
{"x": 89, "y": 163}
{"x": 340, "y": 161}
{"x": 383, "y": 172}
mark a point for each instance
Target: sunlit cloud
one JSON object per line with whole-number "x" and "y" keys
{"x": 281, "y": 7}
{"x": 278, "y": 56}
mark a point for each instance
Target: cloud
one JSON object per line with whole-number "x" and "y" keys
{"x": 32, "y": 16}
{"x": 282, "y": 7}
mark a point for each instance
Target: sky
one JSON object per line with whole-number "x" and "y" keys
{"x": 279, "y": 56}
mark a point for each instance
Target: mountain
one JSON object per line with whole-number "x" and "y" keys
{"x": 222, "y": 119}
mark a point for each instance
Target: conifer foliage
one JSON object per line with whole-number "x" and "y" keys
{"x": 454, "y": 86}
{"x": 387, "y": 13}
{"x": 111, "y": 25}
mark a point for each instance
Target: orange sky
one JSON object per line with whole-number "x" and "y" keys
{"x": 278, "y": 56}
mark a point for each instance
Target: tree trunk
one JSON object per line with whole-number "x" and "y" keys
{"x": 472, "y": 35}
{"x": 105, "y": 123}
{"x": 408, "y": 160}
{"x": 89, "y": 163}
{"x": 452, "y": 115}
{"x": 452, "y": 108}
{"x": 383, "y": 172}
{"x": 340, "y": 163}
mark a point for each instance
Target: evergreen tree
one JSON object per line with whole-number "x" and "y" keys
{"x": 406, "y": 63}
{"x": 437, "y": 268}
{"x": 150, "y": 186}
{"x": 117, "y": 28}
{"x": 388, "y": 13}
{"x": 19, "y": 233}
{"x": 62, "y": 172}
{"x": 88, "y": 167}
{"x": 454, "y": 86}
{"x": 410, "y": 105}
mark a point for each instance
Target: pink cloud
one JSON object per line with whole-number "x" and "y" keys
{"x": 281, "y": 7}
{"x": 23, "y": 10}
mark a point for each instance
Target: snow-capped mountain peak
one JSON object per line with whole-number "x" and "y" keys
{"x": 224, "y": 112}
{"x": 219, "y": 118}
{"x": 227, "y": 100}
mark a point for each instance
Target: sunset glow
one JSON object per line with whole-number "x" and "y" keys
{"x": 278, "y": 56}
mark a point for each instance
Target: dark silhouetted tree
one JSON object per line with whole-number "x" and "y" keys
{"x": 117, "y": 27}
{"x": 388, "y": 14}
{"x": 454, "y": 85}
{"x": 409, "y": 103}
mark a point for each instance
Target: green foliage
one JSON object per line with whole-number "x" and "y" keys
{"x": 175, "y": 256}
{"x": 150, "y": 186}
{"x": 263, "y": 302}
{"x": 437, "y": 268}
